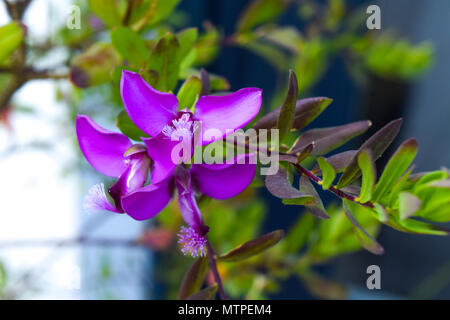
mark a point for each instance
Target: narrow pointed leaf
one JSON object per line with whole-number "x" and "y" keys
{"x": 395, "y": 168}
{"x": 367, "y": 167}
{"x": 260, "y": 11}
{"x": 339, "y": 161}
{"x": 299, "y": 156}
{"x": 206, "y": 82}
{"x": 316, "y": 208}
{"x": 189, "y": 92}
{"x": 328, "y": 173}
{"x": 306, "y": 110}
{"x": 279, "y": 186}
{"x": 366, "y": 240}
{"x": 253, "y": 247}
{"x": 377, "y": 144}
{"x": 328, "y": 139}
{"x": 287, "y": 112}
{"x": 408, "y": 205}
{"x": 208, "y": 293}
{"x": 194, "y": 278}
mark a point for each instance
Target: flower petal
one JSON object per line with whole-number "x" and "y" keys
{"x": 223, "y": 181}
{"x": 102, "y": 148}
{"x": 133, "y": 178}
{"x": 148, "y": 108}
{"x": 228, "y": 112}
{"x": 159, "y": 150}
{"x": 147, "y": 202}
{"x": 188, "y": 205}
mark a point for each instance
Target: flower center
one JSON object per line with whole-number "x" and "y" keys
{"x": 180, "y": 129}
{"x": 192, "y": 243}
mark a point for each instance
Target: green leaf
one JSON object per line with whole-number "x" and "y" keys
{"x": 377, "y": 144}
{"x": 298, "y": 234}
{"x": 408, "y": 205}
{"x": 189, "y": 92}
{"x": 194, "y": 278}
{"x": 328, "y": 139}
{"x": 208, "y": 293}
{"x": 218, "y": 83}
{"x": 150, "y": 12}
{"x": 128, "y": 128}
{"x": 165, "y": 62}
{"x": 396, "y": 166}
{"x": 260, "y": 11}
{"x": 435, "y": 198}
{"x": 11, "y": 36}
{"x": 287, "y": 111}
{"x": 366, "y": 240}
{"x": 339, "y": 161}
{"x": 306, "y": 110}
{"x": 328, "y": 173}
{"x": 253, "y": 247}
{"x": 186, "y": 39}
{"x": 94, "y": 66}
{"x": 131, "y": 46}
{"x": 367, "y": 167}
{"x": 107, "y": 11}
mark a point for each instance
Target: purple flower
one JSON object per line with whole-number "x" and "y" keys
{"x": 156, "y": 113}
{"x": 218, "y": 181}
{"x": 113, "y": 155}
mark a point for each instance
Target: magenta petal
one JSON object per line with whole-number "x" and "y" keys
{"x": 147, "y": 202}
{"x": 223, "y": 181}
{"x": 148, "y": 108}
{"x": 227, "y": 113}
{"x": 188, "y": 205}
{"x": 134, "y": 177}
{"x": 103, "y": 149}
{"x": 159, "y": 150}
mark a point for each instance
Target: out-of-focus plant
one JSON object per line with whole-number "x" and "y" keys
{"x": 140, "y": 36}
{"x": 330, "y": 29}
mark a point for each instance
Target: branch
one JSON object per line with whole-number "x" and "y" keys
{"x": 80, "y": 241}
{"x": 213, "y": 265}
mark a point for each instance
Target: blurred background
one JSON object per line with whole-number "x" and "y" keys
{"x": 50, "y": 247}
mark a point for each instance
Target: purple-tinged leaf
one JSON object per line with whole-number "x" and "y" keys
{"x": 208, "y": 293}
{"x": 377, "y": 144}
{"x": 328, "y": 139}
{"x": 287, "y": 112}
{"x": 397, "y": 165}
{"x": 279, "y": 186}
{"x": 306, "y": 110}
{"x": 339, "y": 161}
{"x": 194, "y": 278}
{"x": 316, "y": 208}
{"x": 206, "y": 82}
{"x": 408, "y": 204}
{"x": 366, "y": 240}
{"x": 253, "y": 247}
{"x": 298, "y": 157}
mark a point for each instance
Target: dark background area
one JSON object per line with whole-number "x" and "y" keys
{"x": 409, "y": 259}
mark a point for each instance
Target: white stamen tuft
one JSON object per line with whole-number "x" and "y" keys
{"x": 96, "y": 199}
